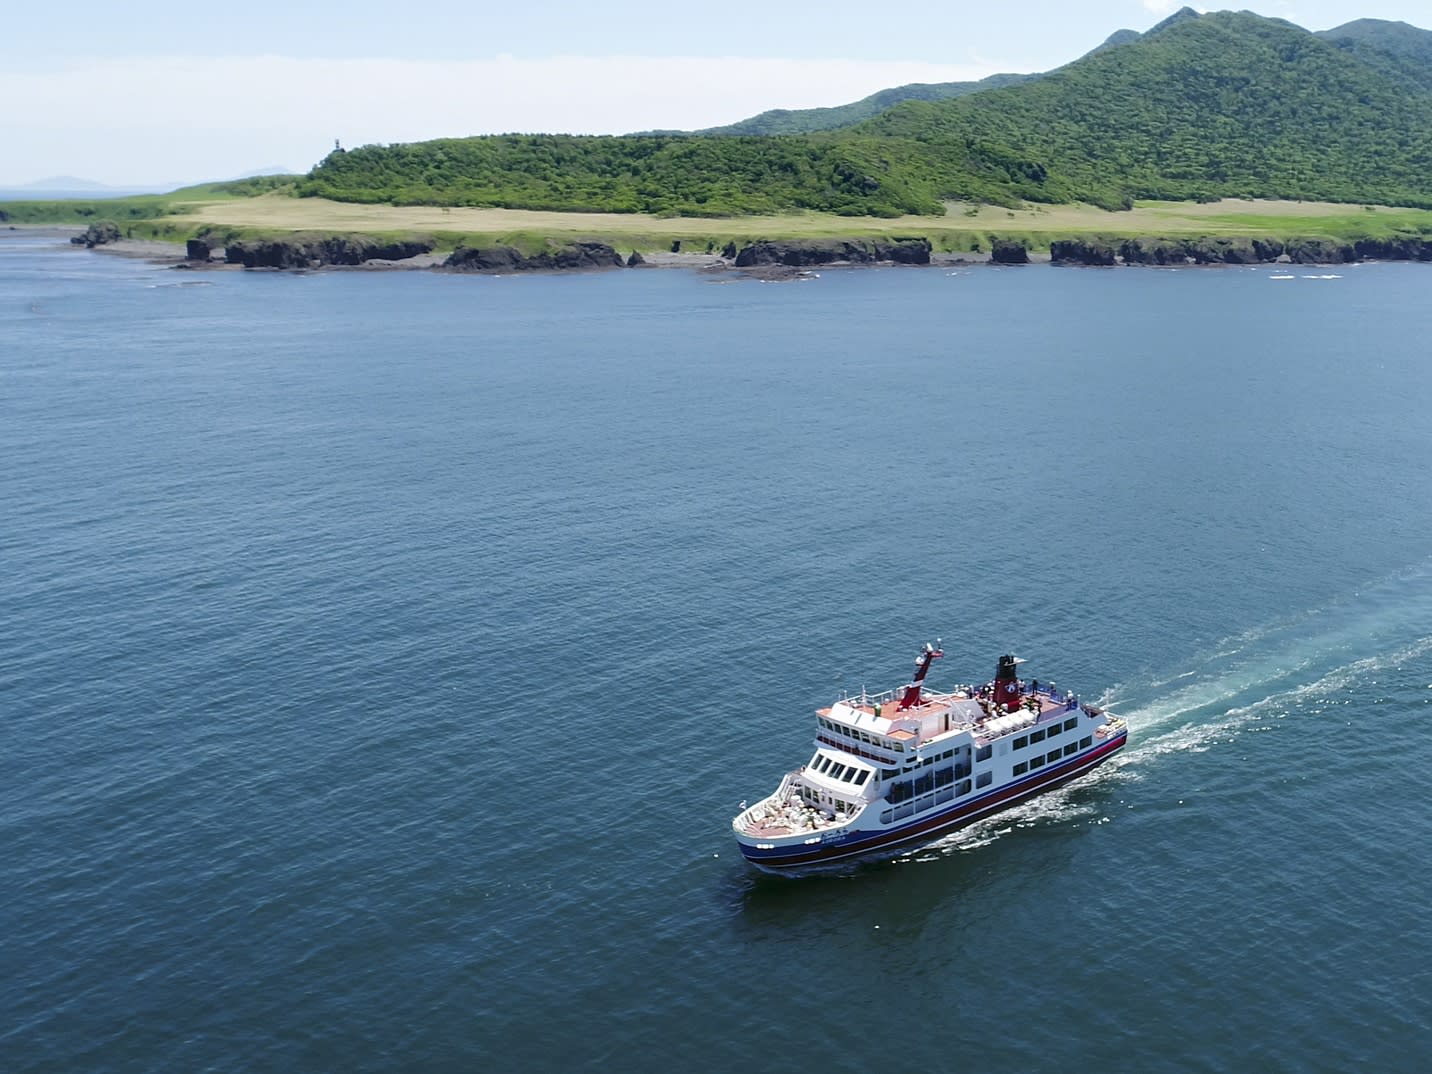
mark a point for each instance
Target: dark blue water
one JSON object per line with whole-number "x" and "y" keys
{"x": 384, "y": 656}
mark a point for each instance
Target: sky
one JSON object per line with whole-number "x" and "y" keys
{"x": 166, "y": 93}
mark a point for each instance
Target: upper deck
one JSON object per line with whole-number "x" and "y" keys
{"x": 878, "y": 720}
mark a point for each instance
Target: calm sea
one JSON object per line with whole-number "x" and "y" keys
{"x": 384, "y": 656}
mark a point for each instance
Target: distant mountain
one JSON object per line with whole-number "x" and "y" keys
{"x": 63, "y": 182}
{"x": 1203, "y": 106}
{"x": 808, "y": 120}
{"x": 73, "y": 188}
{"x": 1397, "y": 49}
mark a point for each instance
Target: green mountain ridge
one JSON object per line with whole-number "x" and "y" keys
{"x": 810, "y": 120}
{"x": 1201, "y": 106}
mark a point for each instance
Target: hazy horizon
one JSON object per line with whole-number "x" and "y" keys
{"x": 276, "y": 82}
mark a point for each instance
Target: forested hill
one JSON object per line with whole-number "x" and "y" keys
{"x": 1223, "y": 104}
{"x": 1394, "y": 49}
{"x": 1226, "y": 104}
{"x": 809, "y": 120}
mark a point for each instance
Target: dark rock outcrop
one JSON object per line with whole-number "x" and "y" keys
{"x": 1396, "y": 248}
{"x": 800, "y": 253}
{"x": 1151, "y": 251}
{"x": 1081, "y": 252}
{"x": 635, "y": 259}
{"x": 1008, "y": 252}
{"x": 196, "y": 250}
{"x": 729, "y": 251}
{"x": 1316, "y": 251}
{"x": 1211, "y": 250}
{"x": 574, "y": 255}
{"x": 312, "y": 252}
{"x": 98, "y": 234}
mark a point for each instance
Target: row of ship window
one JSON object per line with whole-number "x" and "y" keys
{"x": 1043, "y": 732}
{"x": 1052, "y": 756}
{"x": 929, "y": 781}
{"x": 837, "y": 771}
{"x": 863, "y": 736}
{"x": 819, "y": 800}
{"x": 937, "y": 796}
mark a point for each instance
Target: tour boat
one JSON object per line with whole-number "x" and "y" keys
{"x": 904, "y": 767}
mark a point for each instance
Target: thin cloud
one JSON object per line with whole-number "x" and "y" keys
{"x": 157, "y": 119}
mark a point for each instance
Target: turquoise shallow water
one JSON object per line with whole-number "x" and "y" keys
{"x": 385, "y": 655}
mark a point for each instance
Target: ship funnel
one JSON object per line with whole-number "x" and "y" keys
{"x": 1006, "y": 683}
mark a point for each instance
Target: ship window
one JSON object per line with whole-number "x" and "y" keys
{"x": 928, "y": 761}
{"x": 825, "y": 765}
{"x": 1086, "y": 742}
{"x": 924, "y": 783}
{"x": 963, "y": 787}
{"x": 1036, "y": 736}
{"x": 861, "y": 777}
{"x": 1021, "y": 742}
{"x": 889, "y": 773}
{"x": 983, "y": 779}
{"x": 944, "y": 777}
{"x": 838, "y": 772}
{"x": 1036, "y": 762}
{"x": 1053, "y": 756}
{"x": 1071, "y": 723}
{"x": 1073, "y": 747}
{"x": 1021, "y": 768}
{"x": 947, "y": 755}
{"x": 1052, "y": 731}
{"x": 984, "y": 753}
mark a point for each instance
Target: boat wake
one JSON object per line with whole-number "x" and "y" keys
{"x": 1313, "y": 664}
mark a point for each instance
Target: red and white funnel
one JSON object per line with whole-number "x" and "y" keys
{"x": 1006, "y": 684}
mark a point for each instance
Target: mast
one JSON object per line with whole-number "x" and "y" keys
{"x": 928, "y": 655}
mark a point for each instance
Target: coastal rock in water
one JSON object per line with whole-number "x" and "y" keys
{"x": 1210, "y": 251}
{"x": 635, "y": 259}
{"x": 798, "y": 253}
{"x": 575, "y": 255}
{"x": 1008, "y": 252}
{"x": 98, "y": 234}
{"x": 196, "y": 250}
{"x": 1397, "y": 248}
{"x": 1081, "y": 252}
{"x": 1315, "y": 251}
{"x": 1151, "y": 251}
{"x": 904, "y": 251}
{"x": 267, "y": 253}
{"x": 313, "y": 251}
{"x": 1268, "y": 249}
{"x": 485, "y": 259}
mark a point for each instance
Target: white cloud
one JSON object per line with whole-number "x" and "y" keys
{"x": 168, "y": 119}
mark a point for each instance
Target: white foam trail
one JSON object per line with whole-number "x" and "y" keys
{"x": 1300, "y": 662}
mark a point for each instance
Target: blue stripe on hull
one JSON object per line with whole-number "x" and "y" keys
{"x": 937, "y": 824}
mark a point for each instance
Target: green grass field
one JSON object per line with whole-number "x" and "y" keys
{"x": 225, "y": 213}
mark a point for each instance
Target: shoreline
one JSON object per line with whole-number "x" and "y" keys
{"x": 174, "y": 255}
